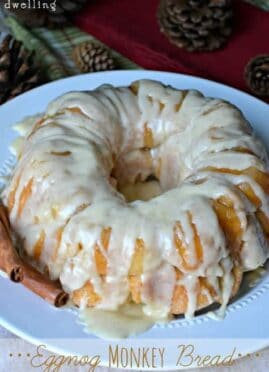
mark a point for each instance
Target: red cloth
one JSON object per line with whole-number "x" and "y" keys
{"x": 131, "y": 28}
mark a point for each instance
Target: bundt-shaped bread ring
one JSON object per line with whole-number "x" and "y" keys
{"x": 176, "y": 252}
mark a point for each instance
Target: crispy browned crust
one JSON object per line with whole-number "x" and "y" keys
{"x": 180, "y": 300}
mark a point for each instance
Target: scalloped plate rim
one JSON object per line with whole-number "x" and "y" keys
{"x": 43, "y": 95}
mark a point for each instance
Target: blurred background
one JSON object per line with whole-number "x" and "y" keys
{"x": 223, "y": 40}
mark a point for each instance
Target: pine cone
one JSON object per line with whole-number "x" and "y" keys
{"x": 196, "y": 25}
{"x": 18, "y": 72}
{"x": 257, "y": 75}
{"x": 46, "y": 14}
{"x": 91, "y": 57}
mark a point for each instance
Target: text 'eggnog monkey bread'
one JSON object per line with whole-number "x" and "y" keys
{"x": 143, "y": 194}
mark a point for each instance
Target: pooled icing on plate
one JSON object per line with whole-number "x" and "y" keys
{"x": 83, "y": 200}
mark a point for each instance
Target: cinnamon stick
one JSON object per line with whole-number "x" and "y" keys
{"x": 22, "y": 272}
{"x": 10, "y": 262}
{"x": 50, "y": 290}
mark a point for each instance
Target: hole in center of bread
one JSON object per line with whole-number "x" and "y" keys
{"x": 145, "y": 191}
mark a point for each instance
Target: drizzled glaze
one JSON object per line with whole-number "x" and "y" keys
{"x": 89, "y": 143}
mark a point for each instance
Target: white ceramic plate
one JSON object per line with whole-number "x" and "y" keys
{"x": 28, "y": 316}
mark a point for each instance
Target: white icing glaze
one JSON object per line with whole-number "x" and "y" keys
{"x": 129, "y": 320}
{"x": 70, "y": 157}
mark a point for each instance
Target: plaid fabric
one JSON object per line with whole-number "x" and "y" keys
{"x": 263, "y": 4}
{"x": 53, "y": 48}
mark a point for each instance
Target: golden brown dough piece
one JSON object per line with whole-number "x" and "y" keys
{"x": 205, "y": 293}
{"x": 176, "y": 247}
